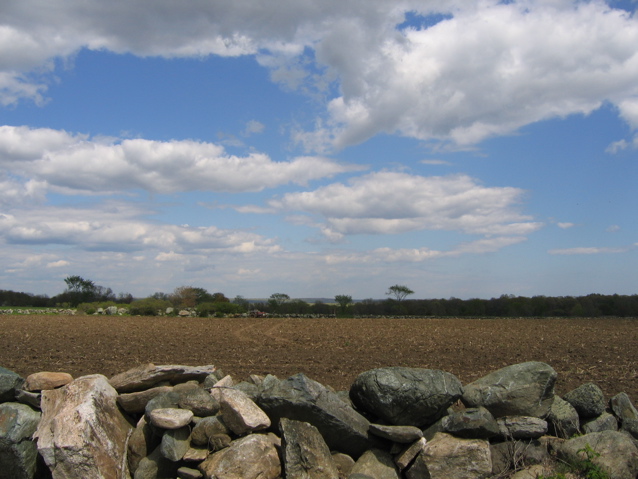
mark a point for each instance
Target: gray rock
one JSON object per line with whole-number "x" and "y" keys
{"x": 82, "y": 432}
{"x": 165, "y": 400}
{"x": 303, "y": 399}
{"x": 448, "y": 457}
{"x": 616, "y": 453}
{"x": 28, "y": 398}
{"x": 251, "y": 390}
{"x": 588, "y": 400}
{"x": 251, "y": 457}
{"x": 141, "y": 443}
{"x": 304, "y": 452}
{"x": 405, "y": 457}
{"x": 623, "y": 408}
{"x": 188, "y": 473}
{"x": 405, "y": 396}
{"x": 522, "y": 427}
{"x": 604, "y": 422}
{"x": 207, "y": 429}
{"x": 475, "y": 423}
{"x": 149, "y": 375}
{"x": 10, "y": 382}
{"x": 196, "y": 399}
{"x": 525, "y": 389}
{"x": 344, "y": 464}
{"x": 509, "y": 455}
{"x": 18, "y": 452}
{"x": 240, "y": 413}
{"x": 175, "y": 443}
{"x": 375, "y": 464}
{"x": 563, "y": 420}
{"x": 630, "y": 426}
{"x": 170, "y": 418}
{"x": 400, "y": 434}
{"x": 135, "y": 403}
{"x": 155, "y": 466}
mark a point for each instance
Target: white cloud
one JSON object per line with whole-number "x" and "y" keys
{"x": 487, "y": 69}
{"x": 613, "y": 229}
{"x": 253, "y": 127}
{"x": 121, "y": 227}
{"x": 565, "y": 225}
{"x": 389, "y": 202}
{"x": 587, "y": 250}
{"x": 77, "y": 163}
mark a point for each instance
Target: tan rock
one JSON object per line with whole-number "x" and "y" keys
{"x": 170, "y": 418}
{"x": 82, "y": 433}
{"x": 251, "y": 457}
{"x": 44, "y": 381}
{"x": 241, "y": 414}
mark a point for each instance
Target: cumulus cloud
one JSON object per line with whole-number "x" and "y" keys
{"x": 390, "y": 202}
{"x": 486, "y": 68}
{"x": 565, "y": 225}
{"x": 73, "y": 162}
{"x": 121, "y": 227}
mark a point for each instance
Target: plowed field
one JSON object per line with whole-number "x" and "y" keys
{"x": 331, "y": 351}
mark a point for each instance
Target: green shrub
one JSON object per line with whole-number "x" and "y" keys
{"x": 218, "y": 309}
{"x": 149, "y": 307}
{"x": 91, "y": 308}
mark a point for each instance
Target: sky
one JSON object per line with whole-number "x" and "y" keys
{"x": 462, "y": 148}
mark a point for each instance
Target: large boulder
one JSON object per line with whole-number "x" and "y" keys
{"x": 302, "y": 399}
{"x": 563, "y": 420}
{"x": 251, "y": 457}
{"x": 525, "y": 389}
{"x": 240, "y": 413}
{"x": 82, "y": 433}
{"x": 405, "y": 396}
{"x": 305, "y": 454}
{"x": 18, "y": 452}
{"x": 10, "y": 382}
{"x": 588, "y": 400}
{"x": 614, "y": 452}
{"x": 448, "y": 457}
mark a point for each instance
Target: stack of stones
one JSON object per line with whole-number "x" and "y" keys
{"x": 195, "y": 422}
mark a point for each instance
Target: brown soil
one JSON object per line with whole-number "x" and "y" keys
{"x": 331, "y": 351}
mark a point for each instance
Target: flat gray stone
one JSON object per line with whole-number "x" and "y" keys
{"x": 135, "y": 403}
{"x": 149, "y": 375}
{"x": 399, "y": 434}
{"x": 521, "y": 427}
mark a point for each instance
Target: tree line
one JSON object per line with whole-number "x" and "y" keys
{"x": 87, "y": 295}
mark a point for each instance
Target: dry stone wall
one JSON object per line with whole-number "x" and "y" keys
{"x": 173, "y": 421}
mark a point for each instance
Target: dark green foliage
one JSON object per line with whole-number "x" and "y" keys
{"x": 149, "y": 307}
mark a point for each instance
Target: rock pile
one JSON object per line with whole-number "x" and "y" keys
{"x": 194, "y": 422}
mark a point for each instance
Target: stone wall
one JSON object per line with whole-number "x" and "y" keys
{"x": 195, "y": 422}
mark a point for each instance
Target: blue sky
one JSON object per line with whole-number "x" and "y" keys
{"x": 466, "y": 149}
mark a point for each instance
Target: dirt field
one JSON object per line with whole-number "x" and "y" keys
{"x": 332, "y": 351}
